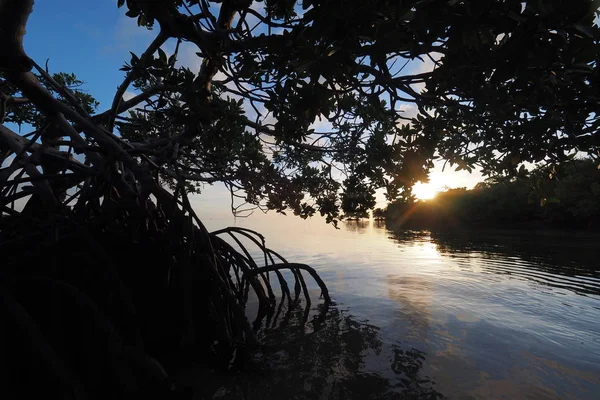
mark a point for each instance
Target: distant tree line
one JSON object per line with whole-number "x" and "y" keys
{"x": 566, "y": 196}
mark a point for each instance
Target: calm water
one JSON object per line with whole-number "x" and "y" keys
{"x": 469, "y": 315}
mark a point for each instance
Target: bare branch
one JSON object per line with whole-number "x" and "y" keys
{"x": 131, "y": 103}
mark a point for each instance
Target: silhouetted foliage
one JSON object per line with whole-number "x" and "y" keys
{"x": 298, "y": 105}
{"x": 379, "y": 213}
{"x": 507, "y": 82}
{"x": 565, "y": 196}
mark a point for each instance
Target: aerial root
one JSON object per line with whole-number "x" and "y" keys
{"x": 133, "y": 282}
{"x": 154, "y": 281}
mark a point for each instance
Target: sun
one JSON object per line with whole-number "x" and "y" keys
{"x": 425, "y": 191}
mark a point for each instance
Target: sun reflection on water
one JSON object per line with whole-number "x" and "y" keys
{"x": 497, "y": 315}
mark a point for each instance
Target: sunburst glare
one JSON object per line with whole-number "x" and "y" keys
{"x": 425, "y": 191}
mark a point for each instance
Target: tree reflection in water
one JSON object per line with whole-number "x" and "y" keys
{"x": 524, "y": 254}
{"x": 332, "y": 356}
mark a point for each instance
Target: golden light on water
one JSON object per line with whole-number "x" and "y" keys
{"x": 425, "y": 191}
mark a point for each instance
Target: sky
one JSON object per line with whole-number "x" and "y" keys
{"x": 92, "y": 39}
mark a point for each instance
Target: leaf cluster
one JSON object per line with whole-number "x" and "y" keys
{"x": 312, "y": 106}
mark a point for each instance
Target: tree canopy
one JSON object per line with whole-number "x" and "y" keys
{"x": 314, "y": 105}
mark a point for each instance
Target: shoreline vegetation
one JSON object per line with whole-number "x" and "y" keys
{"x": 559, "y": 197}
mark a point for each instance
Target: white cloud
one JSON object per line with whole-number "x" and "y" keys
{"x": 188, "y": 58}
{"x": 427, "y": 64}
{"x": 128, "y": 95}
{"x": 322, "y": 125}
{"x": 7, "y": 161}
{"x": 127, "y": 36}
{"x": 407, "y": 110}
{"x": 257, "y": 6}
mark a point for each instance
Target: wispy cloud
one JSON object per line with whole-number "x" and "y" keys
{"x": 128, "y": 36}
{"x": 407, "y": 110}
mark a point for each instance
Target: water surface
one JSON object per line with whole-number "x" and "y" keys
{"x": 460, "y": 315}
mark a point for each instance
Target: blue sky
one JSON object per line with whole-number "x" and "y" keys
{"x": 93, "y": 39}
{"x": 89, "y": 38}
